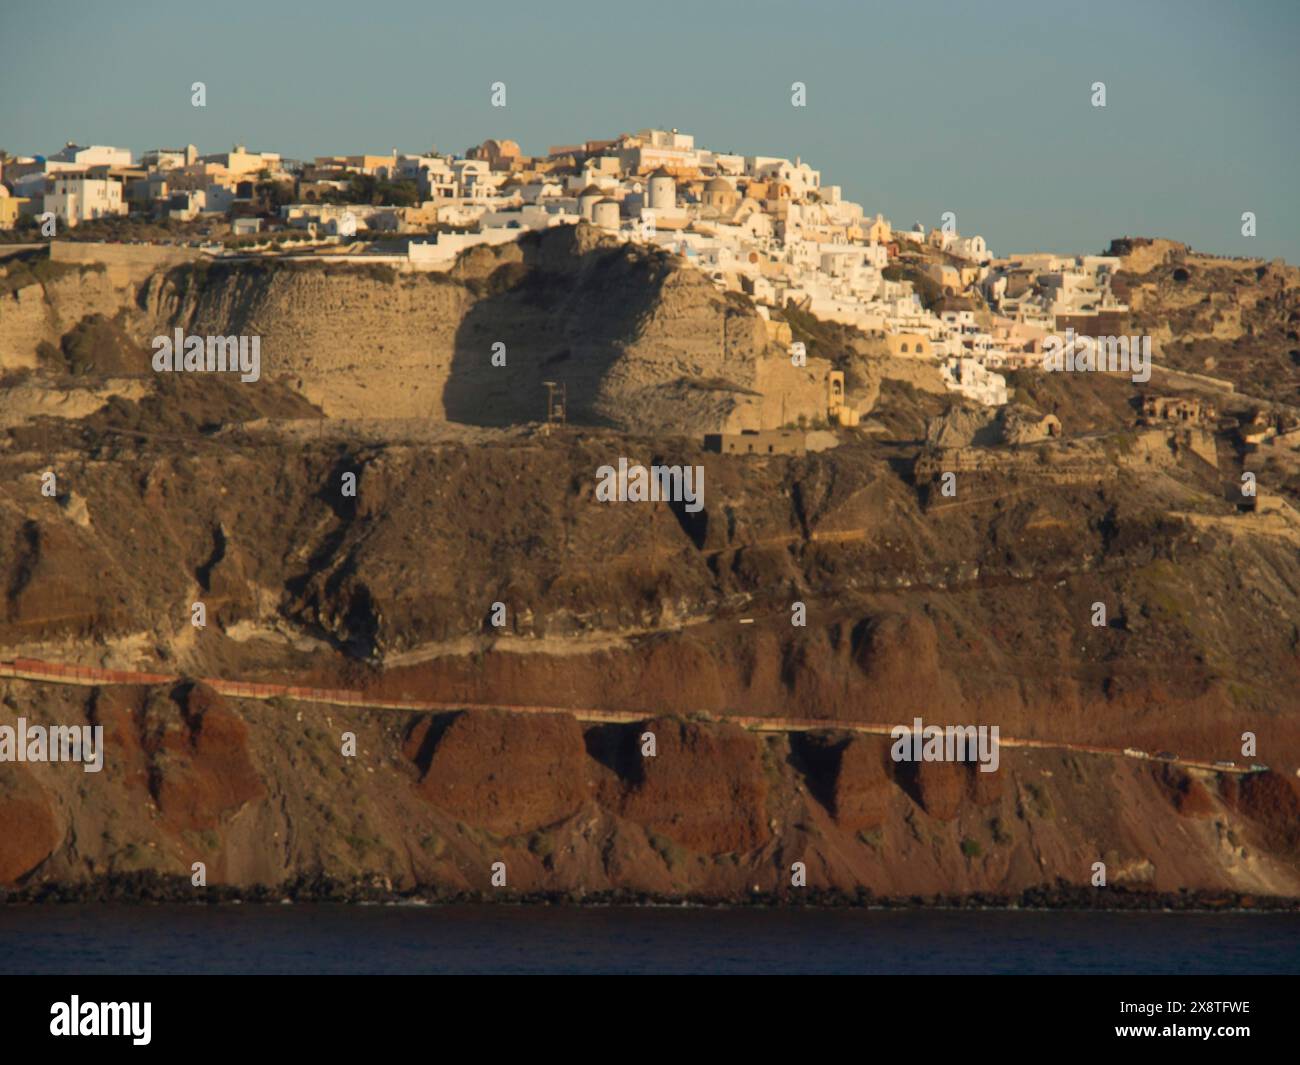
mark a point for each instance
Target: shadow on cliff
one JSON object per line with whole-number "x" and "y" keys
{"x": 618, "y": 748}
{"x": 227, "y": 293}
{"x": 563, "y": 313}
{"x": 328, "y": 580}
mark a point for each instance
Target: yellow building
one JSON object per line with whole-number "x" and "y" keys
{"x": 10, "y": 208}
{"x": 947, "y": 277}
{"x": 239, "y": 161}
{"x": 375, "y": 165}
{"x": 909, "y": 345}
{"x": 877, "y": 230}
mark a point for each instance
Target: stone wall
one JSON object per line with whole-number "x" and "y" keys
{"x": 125, "y": 263}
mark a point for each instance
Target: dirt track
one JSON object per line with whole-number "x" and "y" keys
{"x": 57, "y": 673}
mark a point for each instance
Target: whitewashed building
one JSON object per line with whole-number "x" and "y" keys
{"x": 76, "y": 197}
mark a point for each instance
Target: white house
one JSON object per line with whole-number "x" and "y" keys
{"x": 75, "y": 197}
{"x": 440, "y": 253}
{"x": 170, "y": 158}
{"x": 343, "y": 225}
{"x": 184, "y": 205}
{"x": 965, "y": 375}
{"x": 973, "y": 248}
{"x": 95, "y": 155}
{"x": 219, "y": 199}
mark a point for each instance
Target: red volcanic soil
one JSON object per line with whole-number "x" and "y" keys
{"x": 507, "y": 775}
{"x": 30, "y": 831}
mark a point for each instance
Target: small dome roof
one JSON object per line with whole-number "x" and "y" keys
{"x": 591, "y": 190}
{"x": 719, "y": 184}
{"x": 661, "y": 172}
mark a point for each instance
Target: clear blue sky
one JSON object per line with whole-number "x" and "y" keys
{"x": 915, "y": 109}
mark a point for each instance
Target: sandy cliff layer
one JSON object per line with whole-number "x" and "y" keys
{"x": 640, "y": 341}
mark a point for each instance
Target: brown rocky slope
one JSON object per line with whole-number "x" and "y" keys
{"x": 969, "y": 610}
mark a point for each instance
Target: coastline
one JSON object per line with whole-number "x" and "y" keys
{"x": 151, "y": 889}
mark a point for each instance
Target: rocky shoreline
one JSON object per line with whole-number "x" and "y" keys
{"x": 148, "y": 888}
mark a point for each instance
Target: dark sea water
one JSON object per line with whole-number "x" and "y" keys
{"x": 501, "y": 939}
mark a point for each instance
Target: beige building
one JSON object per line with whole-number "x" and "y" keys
{"x": 877, "y": 230}
{"x": 239, "y": 162}
{"x": 500, "y": 154}
{"x": 720, "y": 195}
{"x": 909, "y": 345}
{"x": 947, "y": 277}
{"x": 758, "y": 442}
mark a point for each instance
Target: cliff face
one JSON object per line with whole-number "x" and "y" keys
{"x": 48, "y": 307}
{"x": 978, "y": 613}
{"x": 639, "y": 342}
{"x": 261, "y": 797}
{"x": 973, "y": 609}
{"x": 1232, "y": 319}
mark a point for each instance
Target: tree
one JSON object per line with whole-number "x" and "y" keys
{"x": 272, "y": 194}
